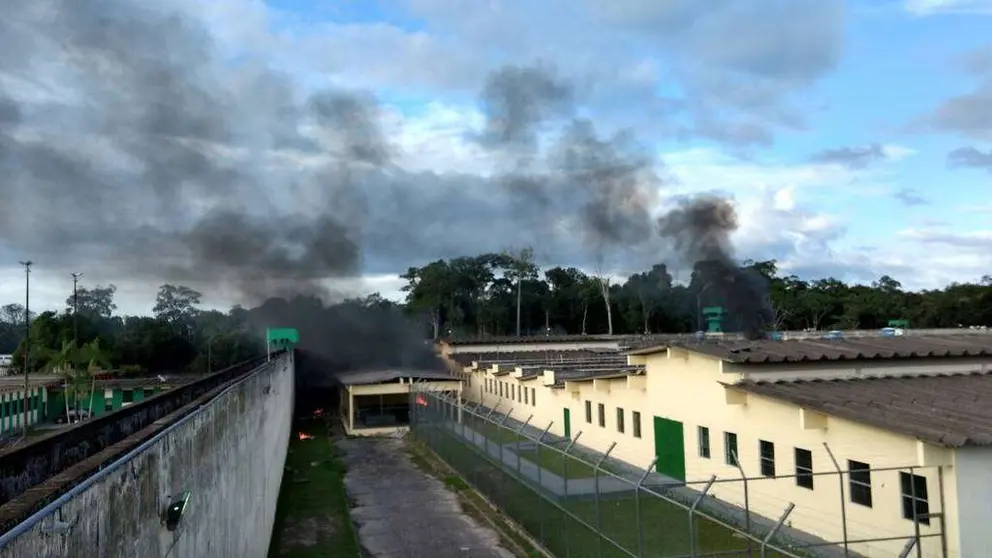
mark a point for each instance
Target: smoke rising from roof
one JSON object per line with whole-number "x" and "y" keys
{"x": 612, "y": 186}
{"x": 700, "y": 230}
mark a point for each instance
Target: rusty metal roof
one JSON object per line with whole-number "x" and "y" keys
{"x": 858, "y": 348}
{"x": 546, "y": 359}
{"x": 361, "y": 377}
{"x": 948, "y": 410}
{"x": 512, "y": 339}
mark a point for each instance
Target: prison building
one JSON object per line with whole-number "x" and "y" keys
{"x": 872, "y": 439}
{"x": 377, "y": 402}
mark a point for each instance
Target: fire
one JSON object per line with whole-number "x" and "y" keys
{"x": 305, "y": 436}
{"x": 318, "y": 412}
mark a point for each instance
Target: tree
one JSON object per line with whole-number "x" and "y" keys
{"x": 176, "y": 304}
{"x": 519, "y": 267}
{"x": 474, "y": 294}
{"x": 95, "y": 302}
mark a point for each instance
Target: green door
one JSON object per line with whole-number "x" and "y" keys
{"x": 669, "y": 448}
{"x": 568, "y": 423}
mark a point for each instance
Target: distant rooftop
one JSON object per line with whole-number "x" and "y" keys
{"x": 391, "y": 375}
{"x": 842, "y": 349}
{"x": 512, "y": 339}
{"x": 947, "y": 410}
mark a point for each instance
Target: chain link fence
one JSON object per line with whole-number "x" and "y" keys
{"x": 574, "y": 507}
{"x": 579, "y": 503}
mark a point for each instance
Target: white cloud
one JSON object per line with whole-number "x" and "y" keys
{"x": 936, "y": 7}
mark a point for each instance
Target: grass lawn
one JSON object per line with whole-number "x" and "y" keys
{"x": 494, "y": 432}
{"x": 554, "y": 462}
{"x": 312, "y": 514}
{"x": 559, "y": 526}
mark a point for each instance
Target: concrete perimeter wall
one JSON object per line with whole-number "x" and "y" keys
{"x": 229, "y": 454}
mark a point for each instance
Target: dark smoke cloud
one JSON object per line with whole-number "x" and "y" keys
{"x": 700, "y": 230}
{"x": 612, "y": 186}
{"x": 130, "y": 142}
{"x": 347, "y": 336}
{"x": 603, "y": 187}
{"x": 149, "y": 154}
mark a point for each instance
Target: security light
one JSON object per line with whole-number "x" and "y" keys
{"x": 174, "y": 513}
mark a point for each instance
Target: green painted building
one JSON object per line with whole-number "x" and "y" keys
{"x": 12, "y": 407}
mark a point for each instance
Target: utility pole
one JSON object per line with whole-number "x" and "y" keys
{"x": 75, "y": 309}
{"x": 27, "y": 337}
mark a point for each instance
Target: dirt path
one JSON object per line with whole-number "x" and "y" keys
{"x": 401, "y": 512}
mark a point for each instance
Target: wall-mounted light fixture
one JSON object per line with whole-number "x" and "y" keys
{"x": 174, "y": 512}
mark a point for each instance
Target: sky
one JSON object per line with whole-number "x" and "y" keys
{"x": 853, "y": 139}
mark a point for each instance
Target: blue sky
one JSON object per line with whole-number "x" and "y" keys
{"x": 855, "y": 137}
{"x": 893, "y": 64}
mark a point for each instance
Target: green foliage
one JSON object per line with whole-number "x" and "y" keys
{"x": 478, "y": 296}
{"x": 180, "y": 338}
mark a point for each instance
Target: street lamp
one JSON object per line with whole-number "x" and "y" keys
{"x": 27, "y": 336}
{"x": 75, "y": 308}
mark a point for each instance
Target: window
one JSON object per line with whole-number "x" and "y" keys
{"x": 620, "y": 420}
{"x": 526, "y": 396}
{"x": 914, "y": 497}
{"x": 501, "y": 389}
{"x": 533, "y": 397}
{"x": 635, "y": 417}
{"x": 602, "y": 414}
{"x": 804, "y": 468}
{"x": 127, "y": 396}
{"x": 513, "y": 392}
{"x": 703, "y": 434}
{"x": 730, "y": 448}
{"x": 767, "y": 452}
{"x": 589, "y": 411}
{"x": 860, "y": 482}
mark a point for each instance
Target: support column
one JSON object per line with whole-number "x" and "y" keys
{"x": 351, "y": 411}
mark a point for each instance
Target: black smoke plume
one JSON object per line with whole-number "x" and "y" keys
{"x": 610, "y": 187}
{"x": 132, "y": 145}
{"x": 600, "y": 188}
{"x": 347, "y": 336}
{"x": 700, "y": 230}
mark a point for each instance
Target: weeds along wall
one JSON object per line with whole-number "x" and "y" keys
{"x": 228, "y": 455}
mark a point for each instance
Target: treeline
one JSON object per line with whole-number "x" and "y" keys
{"x": 179, "y": 337}
{"x": 479, "y": 295}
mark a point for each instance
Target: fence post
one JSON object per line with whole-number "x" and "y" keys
{"x": 778, "y": 525}
{"x": 540, "y": 482}
{"x": 916, "y": 517}
{"x": 908, "y": 548}
{"x": 501, "y": 426}
{"x": 568, "y": 517}
{"x": 637, "y": 507}
{"x": 747, "y": 501}
{"x": 943, "y": 524}
{"x": 693, "y": 543}
{"x": 520, "y": 432}
{"x": 843, "y": 499}
{"x": 599, "y": 515}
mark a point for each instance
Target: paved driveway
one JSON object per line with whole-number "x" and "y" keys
{"x": 402, "y": 512}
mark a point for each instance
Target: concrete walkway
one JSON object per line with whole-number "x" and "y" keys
{"x": 402, "y": 512}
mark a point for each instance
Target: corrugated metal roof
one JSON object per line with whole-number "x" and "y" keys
{"x": 948, "y": 410}
{"x": 392, "y": 375}
{"x": 860, "y": 348}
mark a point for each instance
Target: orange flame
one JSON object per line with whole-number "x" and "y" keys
{"x": 318, "y": 412}
{"x": 305, "y": 436}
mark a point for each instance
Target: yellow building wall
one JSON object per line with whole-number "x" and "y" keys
{"x": 685, "y": 387}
